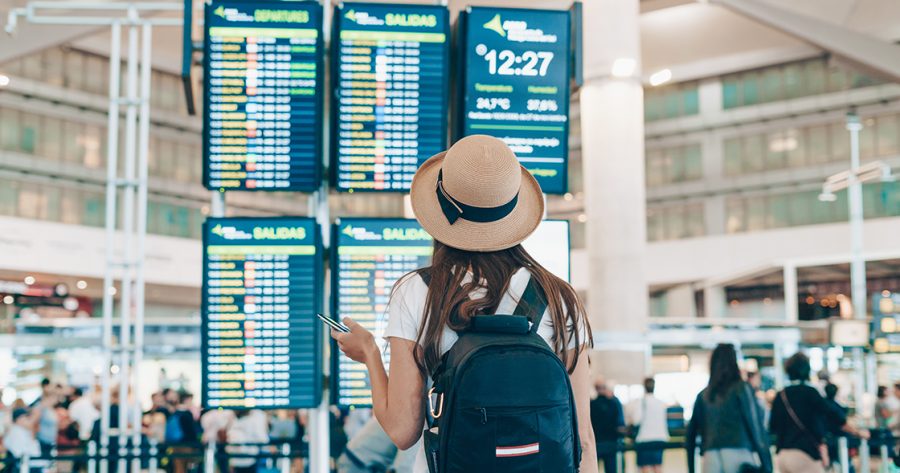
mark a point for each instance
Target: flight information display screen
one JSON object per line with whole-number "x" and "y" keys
{"x": 390, "y": 100}
{"x": 516, "y": 86}
{"x": 260, "y": 336}
{"x": 262, "y": 96}
{"x": 370, "y": 255}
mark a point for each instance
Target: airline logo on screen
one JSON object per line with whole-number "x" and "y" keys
{"x": 359, "y": 233}
{"x": 234, "y": 14}
{"x": 260, "y": 233}
{"x": 391, "y": 19}
{"x": 518, "y": 31}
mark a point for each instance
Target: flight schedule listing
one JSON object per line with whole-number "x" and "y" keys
{"x": 391, "y": 94}
{"x": 261, "y": 291}
{"x": 263, "y": 112}
{"x": 371, "y": 255}
{"x": 516, "y": 86}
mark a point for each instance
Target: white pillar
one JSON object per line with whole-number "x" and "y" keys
{"x": 612, "y": 137}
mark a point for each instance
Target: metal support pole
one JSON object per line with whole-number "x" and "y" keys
{"x": 217, "y": 204}
{"x": 25, "y": 465}
{"x": 791, "y": 302}
{"x": 141, "y": 230}
{"x": 128, "y": 256}
{"x": 286, "y": 461}
{"x": 209, "y": 462}
{"x": 92, "y": 453}
{"x": 112, "y": 156}
{"x": 864, "y": 456}
{"x": 885, "y": 459}
{"x": 778, "y": 361}
{"x": 858, "y": 293}
{"x": 843, "y": 454}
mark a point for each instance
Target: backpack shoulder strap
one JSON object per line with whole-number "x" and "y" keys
{"x": 532, "y": 304}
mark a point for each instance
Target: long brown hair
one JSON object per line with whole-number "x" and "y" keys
{"x": 447, "y": 303}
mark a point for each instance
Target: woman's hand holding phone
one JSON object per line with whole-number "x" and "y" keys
{"x": 358, "y": 344}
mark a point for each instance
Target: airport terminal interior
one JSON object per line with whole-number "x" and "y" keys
{"x": 180, "y": 180}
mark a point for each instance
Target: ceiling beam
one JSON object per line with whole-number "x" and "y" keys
{"x": 871, "y": 55}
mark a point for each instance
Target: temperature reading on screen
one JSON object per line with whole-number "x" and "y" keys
{"x": 507, "y": 63}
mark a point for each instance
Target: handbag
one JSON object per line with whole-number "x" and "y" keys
{"x": 823, "y": 449}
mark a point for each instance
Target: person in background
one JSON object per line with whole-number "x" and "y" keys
{"x": 182, "y": 433}
{"x": 799, "y": 419}
{"x": 608, "y": 422}
{"x": 20, "y": 441}
{"x": 833, "y": 429}
{"x": 648, "y": 415}
{"x": 48, "y": 421}
{"x": 883, "y": 412}
{"x": 728, "y": 420}
{"x": 83, "y": 412}
{"x": 249, "y": 429}
{"x": 372, "y": 450}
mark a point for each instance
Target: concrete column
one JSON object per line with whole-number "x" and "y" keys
{"x": 612, "y": 137}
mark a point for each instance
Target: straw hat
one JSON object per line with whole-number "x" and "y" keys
{"x": 476, "y": 196}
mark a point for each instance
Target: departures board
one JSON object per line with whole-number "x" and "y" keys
{"x": 391, "y": 87}
{"x": 260, "y": 337}
{"x": 370, "y": 255}
{"x": 515, "y": 86}
{"x": 262, "y": 96}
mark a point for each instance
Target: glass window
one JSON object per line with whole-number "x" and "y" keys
{"x": 867, "y": 139}
{"x": 757, "y": 213}
{"x": 793, "y": 81}
{"x": 780, "y": 206}
{"x": 732, "y": 154}
{"x": 730, "y": 97}
{"x": 655, "y": 229}
{"x": 796, "y": 146}
{"x": 818, "y": 144}
{"x": 9, "y": 129}
{"x": 9, "y": 197}
{"x": 800, "y": 207}
{"x": 735, "y": 216}
{"x": 54, "y": 63}
{"x": 675, "y": 223}
{"x": 168, "y": 162}
{"x": 840, "y": 142}
{"x": 33, "y": 67}
{"x": 888, "y": 127}
{"x": 654, "y": 168}
{"x": 93, "y": 140}
{"x": 672, "y": 104}
{"x": 32, "y": 202}
{"x": 28, "y": 141}
{"x": 50, "y": 145}
{"x": 750, "y": 89}
{"x": 771, "y": 84}
{"x": 75, "y": 70}
{"x": 184, "y": 162}
{"x": 695, "y": 221}
{"x": 873, "y": 205}
{"x": 691, "y": 101}
{"x": 891, "y": 192}
{"x": 837, "y": 79}
{"x": 778, "y": 144}
{"x": 70, "y": 209}
{"x": 72, "y": 148}
{"x": 52, "y": 195}
{"x": 815, "y": 77}
{"x": 94, "y": 209}
{"x": 754, "y": 153}
{"x": 693, "y": 162}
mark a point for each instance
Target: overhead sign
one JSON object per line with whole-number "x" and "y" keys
{"x": 262, "y": 111}
{"x": 516, "y": 86}
{"x": 370, "y": 255}
{"x": 260, "y": 338}
{"x": 391, "y": 78}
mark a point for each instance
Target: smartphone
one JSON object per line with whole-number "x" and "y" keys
{"x": 333, "y": 323}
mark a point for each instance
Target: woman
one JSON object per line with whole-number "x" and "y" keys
{"x": 479, "y": 204}
{"x": 728, "y": 420}
{"x": 800, "y": 417}
{"x": 649, "y": 415}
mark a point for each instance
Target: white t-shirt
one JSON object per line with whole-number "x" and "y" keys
{"x": 407, "y": 308}
{"x": 83, "y": 412}
{"x": 651, "y": 415}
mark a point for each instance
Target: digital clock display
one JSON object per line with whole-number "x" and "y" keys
{"x": 516, "y": 86}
